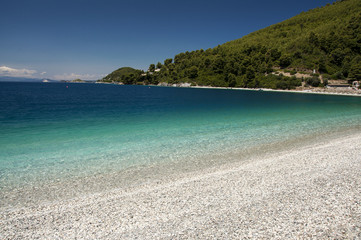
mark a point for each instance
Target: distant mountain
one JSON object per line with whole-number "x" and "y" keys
{"x": 322, "y": 44}
{"x": 22, "y": 79}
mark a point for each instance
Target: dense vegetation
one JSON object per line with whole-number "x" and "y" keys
{"x": 126, "y": 75}
{"x": 327, "y": 40}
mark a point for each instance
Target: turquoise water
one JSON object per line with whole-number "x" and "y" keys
{"x": 50, "y": 132}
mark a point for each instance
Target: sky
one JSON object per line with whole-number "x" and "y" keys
{"x": 88, "y": 39}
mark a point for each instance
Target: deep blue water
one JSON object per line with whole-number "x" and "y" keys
{"x": 64, "y": 130}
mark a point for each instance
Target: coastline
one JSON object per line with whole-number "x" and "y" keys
{"x": 334, "y": 92}
{"x": 308, "y": 91}
{"x": 312, "y": 191}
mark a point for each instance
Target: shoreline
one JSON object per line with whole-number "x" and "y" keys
{"x": 60, "y": 189}
{"x": 310, "y": 191}
{"x": 332, "y": 92}
{"x": 310, "y": 91}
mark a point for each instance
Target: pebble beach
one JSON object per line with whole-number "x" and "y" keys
{"x": 308, "y": 192}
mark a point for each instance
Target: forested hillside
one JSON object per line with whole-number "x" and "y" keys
{"x": 126, "y": 75}
{"x": 326, "y": 40}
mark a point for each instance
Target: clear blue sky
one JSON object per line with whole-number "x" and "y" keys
{"x": 87, "y": 38}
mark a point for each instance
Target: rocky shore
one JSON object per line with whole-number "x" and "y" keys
{"x": 326, "y": 90}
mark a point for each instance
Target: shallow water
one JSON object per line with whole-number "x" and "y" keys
{"x": 61, "y": 131}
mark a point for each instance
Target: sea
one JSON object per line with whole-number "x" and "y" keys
{"x": 61, "y": 140}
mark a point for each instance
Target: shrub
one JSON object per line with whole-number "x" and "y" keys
{"x": 314, "y": 81}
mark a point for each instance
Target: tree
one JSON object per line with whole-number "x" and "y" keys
{"x": 355, "y": 71}
{"x": 314, "y": 81}
{"x": 171, "y": 67}
{"x": 232, "y": 80}
{"x": 275, "y": 54}
{"x": 218, "y": 65}
{"x": 313, "y": 39}
{"x": 250, "y": 73}
{"x": 159, "y": 65}
{"x": 207, "y": 62}
{"x": 129, "y": 79}
{"x": 151, "y": 68}
{"x": 168, "y": 61}
{"x": 285, "y": 60}
{"x": 193, "y": 72}
{"x": 337, "y": 56}
{"x": 322, "y": 65}
{"x": 355, "y": 68}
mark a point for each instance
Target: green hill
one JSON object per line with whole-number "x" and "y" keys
{"x": 324, "y": 40}
{"x": 126, "y": 75}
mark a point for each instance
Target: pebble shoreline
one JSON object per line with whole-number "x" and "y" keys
{"x": 313, "y": 192}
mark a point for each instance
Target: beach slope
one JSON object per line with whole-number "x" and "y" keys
{"x": 310, "y": 192}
